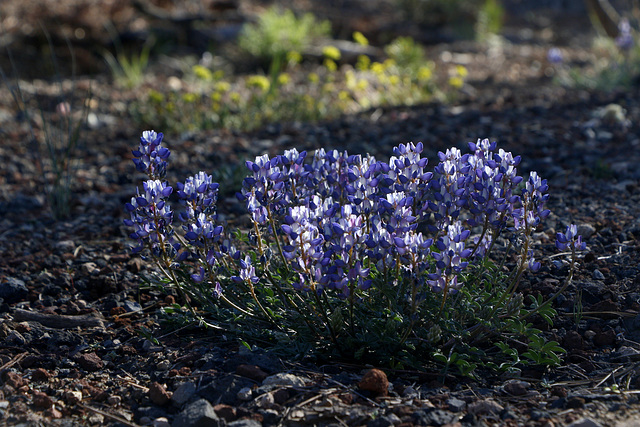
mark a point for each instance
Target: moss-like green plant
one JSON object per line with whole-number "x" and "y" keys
{"x": 278, "y": 32}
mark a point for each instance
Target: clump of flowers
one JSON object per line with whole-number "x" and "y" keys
{"x": 350, "y": 254}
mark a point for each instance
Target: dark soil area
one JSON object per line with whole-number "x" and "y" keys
{"x": 81, "y": 342}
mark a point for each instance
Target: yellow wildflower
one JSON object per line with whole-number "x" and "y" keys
{"x": 456, "y": 82}
{"x": 283, "y": 79}
{"x": 331, "y": 52}
{"x": 462, "y": 71}
{"x": 330, "y": 64}
{"x": 260, "y": 82}
{"x": 359, "y": 38}
{"x": 203, "y": 73}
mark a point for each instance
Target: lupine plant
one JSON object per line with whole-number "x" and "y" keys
{"x": 355, "y": 257}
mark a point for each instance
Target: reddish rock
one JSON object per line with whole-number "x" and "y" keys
{"x": 116, "y": 311}
{"x": 158, "y": 394}
{"x": 14, "y": 380}
{"x": 169, "y": 300}
{"x": 252, "y": 372}
{"x": 605, "y": 338}
{"x": 41, "y": 400}
{"x": 53, "y": 413}
{"x": 40, "y": 374}
{"x": 226, "y": 412}
{"x": 375, "y": 381}
{"x": 71, "y": 397}
{"x": 89, "y": 361}
{"x": 573, "y": 341}
{"x": 23, "y": 327}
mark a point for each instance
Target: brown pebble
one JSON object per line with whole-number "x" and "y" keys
{"x": 226, "y": 412}
{"x": 40, "y": 374}
{"x": 89, "y": 361}
{"x": 605, "y": 338}
{"x": 375, "y": 381}
{"x": 169, "y": 300}
{"x": 252, "y": 372}
{"x": 53, "y": 413}
{"x": 14, "y": 380}
{"x": 575, "y": 403}
{"x": 117, "y": 311}
{"x": 41, "y": 400}
{"x": 158, "y": 394}
{"x": 573, "y": 341}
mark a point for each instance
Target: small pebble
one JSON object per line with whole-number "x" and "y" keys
{"x": 597, "y": 274}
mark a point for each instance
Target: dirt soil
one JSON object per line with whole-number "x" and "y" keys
{"x": 81, "y": 342}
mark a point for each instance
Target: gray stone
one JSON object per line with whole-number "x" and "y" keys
{"x": 245, "y": 422}
{"x": 198, "y": 414}
{"x": 284, "y": 379}
{"x": 13, "y": 290}
{"x": 183, "y": 393}
{"x": 436, "y": 417}
{"x": 224, "y": 389}
{"x": 586, "y": 230}
{"x": 385, "y": 421}
{"x": 597, "y": 274}
{"x": 585, "y": 422}
{"x": 455, "y": 404}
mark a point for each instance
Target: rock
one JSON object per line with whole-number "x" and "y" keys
{"x": 265, "y": 400}
{"x": 71, "y": 397}
{"x": 245, "y": 394}
{"x": 516, "y": 387}
{"x": 13, "y": 290}
{"x": 40, "y": 374}
{"x": 158, "y": 394}
{"x": 252, "y": 372}
{"x": 573, "y": 341}
{"x": 284, "y": 379}
{"x": 161, "y": 422}
{"x": 455, "y": 404}
{"x": 16, "y": 339}
{"x": 183, "y": 393}
{"x": 89, "y": 361}
{"x": 575, "y": 402}
{"x": 605, "y": 338}
{"x": 226, "y": 412}
{"x": 89, "y": 268}
{"x": 432, "y": 417}
{"x": 224, "y": 389}
{"x": 597, "y": 274}
{"x": 14, "y": 380}
{"x": 486, "y": 406}
{"x": 163, "y": 365}
{"x": 585, "y": 422}
{"x": 385, "y": 421}
{"x": 198, "y": 414}
{"x": 586, "y": 230}
{"x": 375, "y": 381}
{"x": 245, "y": 422}
{"x": 41, "y": 400}
{"x": 131, "y": 306}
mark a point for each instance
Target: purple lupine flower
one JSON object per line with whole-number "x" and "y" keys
{"x": 555, "y": 56}
{"x": 151, "y": 216}
{"x": 199, "y": 193}
{"x": 151, "y": 157}
{"x": 570, "y": 239}
{"x": 624, "y": 40}
{"x": 247, "y": 272}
